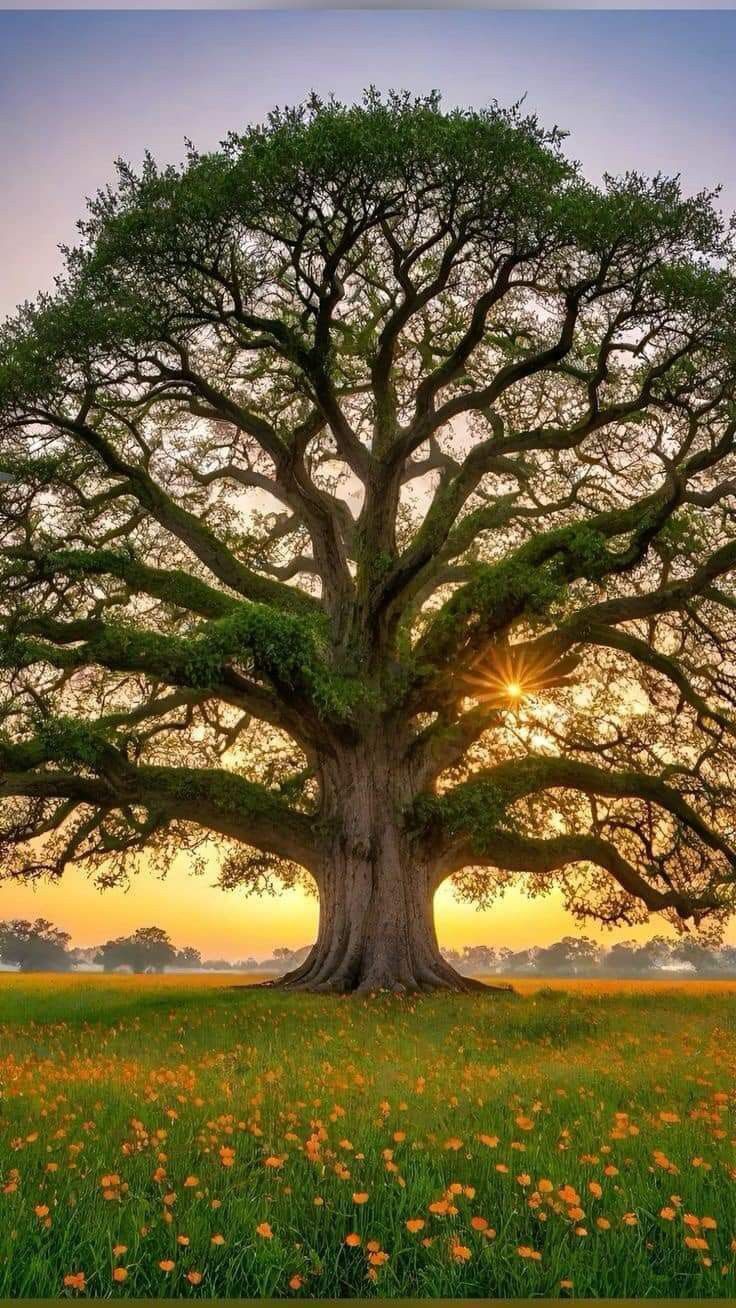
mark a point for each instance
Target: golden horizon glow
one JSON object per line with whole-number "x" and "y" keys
{"x": 234, "y": 926}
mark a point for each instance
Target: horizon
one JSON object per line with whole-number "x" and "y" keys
{"x": 600, "y": 75}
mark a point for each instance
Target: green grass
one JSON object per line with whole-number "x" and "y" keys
{"x": 150, "y": 1081}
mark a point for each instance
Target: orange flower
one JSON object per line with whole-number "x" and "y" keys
{"x": 167, "y": 1265}
{"x": 461, "y": 1253}
{"x": 41, "y": 1210}
{"x": 194, "y": 1278}
{"x": 603, "y": 1223}
{"x": 119, "y": 1250}
{"x": 352, "y": 1240}
{"x": 696, "y": 1242}
{"x": 120, "y": 1274}
{"x": 75, "y": 1281}
{"x": 227, "y": 1156}
{"x": 668, "y": 1214}
{"x": 264, "y": 1230}
{"x": 525, "y": 1123}
{"x": 478, "y": 1223}
{"x": 360, "y": 1198}
{"x": 183, "y": 1240}
{"x": 453, "y": 1143}
{"x": 595, "y": 1189}
{"x": 274, "y": 1161}
{"x": 296, "y": 1282}
{"x": 378, "y": 1257}
{"x": 217, "y": 1239}
{"x": 190, "y": 1182}
{"x": 524, "y": 1251}
{"x": 415, "y": 1224}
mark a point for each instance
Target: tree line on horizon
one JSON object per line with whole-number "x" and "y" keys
{"x": 39, "y": 946}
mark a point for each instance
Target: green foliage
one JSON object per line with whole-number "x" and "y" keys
{"x": 72, "y": 741}
{"x": 475, "y": 810}
{"x": 528, "y": 583}
{"x": 226, "y": 791}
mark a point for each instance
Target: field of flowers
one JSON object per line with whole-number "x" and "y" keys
{"x": 189, "y": 1137}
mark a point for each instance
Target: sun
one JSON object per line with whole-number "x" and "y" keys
{"x": 507, "y": 677}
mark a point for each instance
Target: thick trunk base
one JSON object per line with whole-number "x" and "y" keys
{"x": 376, "y": 926}
{"x": 444, "y": 978}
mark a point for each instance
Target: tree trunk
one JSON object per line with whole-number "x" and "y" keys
{"x": 376, "y": 922}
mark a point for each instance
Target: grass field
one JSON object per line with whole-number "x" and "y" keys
{"x": 173, "y": 1136}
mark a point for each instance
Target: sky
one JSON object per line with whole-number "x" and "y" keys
{"x": 652, "y": 91}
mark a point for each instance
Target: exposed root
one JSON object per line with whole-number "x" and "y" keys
{"x": 311, "y": 981}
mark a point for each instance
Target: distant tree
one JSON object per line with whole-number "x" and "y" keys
{"x": 218, "y": 965}
{"x": 284, "y": 958}
{"x": 35, "y": 946}
{"x": 84, "y": 954}
{"x": 503, "y": 955}
{"x": 478, "y": 958}
{"x": 188, "y": 957}
{"x": 693, "y": 954}
{"x": 148, "y": 949}
{"x": 369, "y": 506}
{"x": 630, "y": 958}
{"x": 521, "y": 960}
{"x": 571, "y": 956}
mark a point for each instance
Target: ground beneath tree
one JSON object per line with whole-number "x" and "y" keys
{"x": 252, "y": 1143}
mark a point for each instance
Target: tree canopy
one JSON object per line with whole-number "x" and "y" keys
{"x": 148, "y": 949}
{"x": 37, "y": 946}
{"x": 379, "y": 422}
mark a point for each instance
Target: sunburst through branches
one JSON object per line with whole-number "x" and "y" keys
{"x": 507, "y": 677}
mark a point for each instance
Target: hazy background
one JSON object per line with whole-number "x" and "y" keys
{"x": 654, "y": 91}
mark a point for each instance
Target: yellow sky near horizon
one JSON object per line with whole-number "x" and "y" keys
{"x": 233, "y": 925}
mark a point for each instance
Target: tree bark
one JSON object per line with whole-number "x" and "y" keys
{"x": 376, "y": 922}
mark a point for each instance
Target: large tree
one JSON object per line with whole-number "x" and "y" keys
{"x": 368, "y": 508}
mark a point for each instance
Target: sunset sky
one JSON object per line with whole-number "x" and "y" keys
{"x": 643, "y": 90}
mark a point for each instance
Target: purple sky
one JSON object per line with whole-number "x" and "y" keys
{"x": 650, "y": 90}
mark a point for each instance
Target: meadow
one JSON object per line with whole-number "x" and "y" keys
{"x": 200, "y": 1137}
